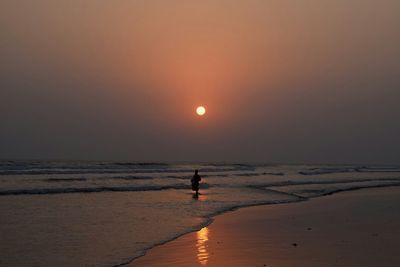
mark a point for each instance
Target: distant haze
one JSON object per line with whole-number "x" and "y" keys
{"x": 305, "y": 81}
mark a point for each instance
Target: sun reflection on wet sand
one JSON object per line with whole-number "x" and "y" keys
{"x": 201, "y": 244}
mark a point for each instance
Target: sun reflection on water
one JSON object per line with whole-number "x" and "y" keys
{"x": 201, "y": 244}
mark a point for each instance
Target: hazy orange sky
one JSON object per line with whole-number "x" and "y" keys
{"x": 311, "y": 81}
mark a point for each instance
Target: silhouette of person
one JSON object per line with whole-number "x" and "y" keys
{"x": 196, "y": 181}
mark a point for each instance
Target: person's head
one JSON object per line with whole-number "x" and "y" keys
{"x": 196, "y": 171}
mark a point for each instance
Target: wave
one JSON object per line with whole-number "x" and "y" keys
{"x": 321, "y": 182}
{"x": 178, "y": 186}
{"x": 104, "y": 167}
{"x": 64, "y": 180}
{"x": 107, "y": 171}
{"x": 311, "y": 190}
{"x": 353, "y": 188}
{"x": 380, "y": 169}
{"x": 132, "y": 177}
{"x": 260, "y": 174}
{"x": 319, "y": 171}
{"x": 67, "y": 190}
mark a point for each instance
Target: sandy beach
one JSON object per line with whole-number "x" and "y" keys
{"x": 357, "y": 228}
{"x": 111, "y": 213}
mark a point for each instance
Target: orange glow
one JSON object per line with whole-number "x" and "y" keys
{"x": 202, "y": 240}
{"x": 201, "y": 110}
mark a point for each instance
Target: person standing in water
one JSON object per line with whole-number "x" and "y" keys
{"x": 196, "y": 181}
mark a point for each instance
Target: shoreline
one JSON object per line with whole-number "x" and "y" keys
{"x": 212, "y": 217}
{"x": 149, "y": 258}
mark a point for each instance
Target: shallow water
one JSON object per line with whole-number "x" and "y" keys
{"x": 107, "y": 213}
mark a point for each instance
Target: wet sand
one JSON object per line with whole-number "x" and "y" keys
{"x": 358, "y": 228}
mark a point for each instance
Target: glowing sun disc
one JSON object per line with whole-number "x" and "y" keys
{"x": 201, "y": 110}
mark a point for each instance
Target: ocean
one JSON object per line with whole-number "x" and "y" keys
{"x": 107, "y": 213}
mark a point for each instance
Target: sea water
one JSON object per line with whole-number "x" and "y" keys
{"x": 86, "y": 213}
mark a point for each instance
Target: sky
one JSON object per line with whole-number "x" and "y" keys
{"x": 283, "y": 81}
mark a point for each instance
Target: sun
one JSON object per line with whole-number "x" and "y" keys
{"x": 200, "y": 110}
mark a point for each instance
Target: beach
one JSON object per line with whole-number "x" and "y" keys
{"x": 96, "y": 213}
{"x": 356, "y": 228}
